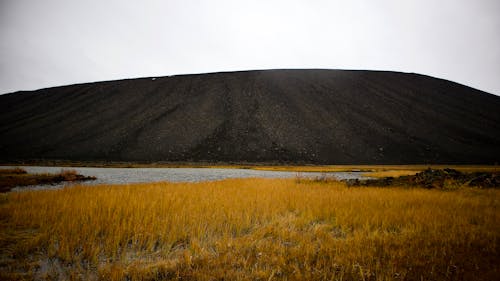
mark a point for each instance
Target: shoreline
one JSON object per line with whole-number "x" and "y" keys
{"x": 17, "y": 177}
{"x": 269, "y": 166}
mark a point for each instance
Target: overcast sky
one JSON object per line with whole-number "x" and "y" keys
{"x": 58, "y": 42}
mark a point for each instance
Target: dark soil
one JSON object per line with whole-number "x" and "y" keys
{"x": 446, "y": 178}
{"x": 272, "y": 116}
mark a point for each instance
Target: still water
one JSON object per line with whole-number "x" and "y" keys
{"x": 141, "y": 175}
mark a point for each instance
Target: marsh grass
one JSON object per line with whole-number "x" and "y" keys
{"x": 12, "y": 171}
{"x": 391, "y": 173}
{"x": 250, "y": 229}
{"x": 262, "y": 166}
{"x": 396, "y": 170}
{"x": 10, "y": 178}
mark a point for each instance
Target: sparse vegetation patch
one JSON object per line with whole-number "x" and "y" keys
{"x": 10, "y": 178}
{"x": 436, "y": 178}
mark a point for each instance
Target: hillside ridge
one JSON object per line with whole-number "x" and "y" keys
{"x": 312, "y": 116}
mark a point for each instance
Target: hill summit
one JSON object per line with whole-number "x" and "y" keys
{"x": 268, "y": 116}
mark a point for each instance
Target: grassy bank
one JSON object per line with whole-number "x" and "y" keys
{"x": 250, "y": 229}
{"x": 370, "y": 170}
{"x": 431, "y": 178}
{"x": 10, "y": 178}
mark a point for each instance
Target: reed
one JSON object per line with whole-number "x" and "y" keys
{"x": 249, "y": 229}
{"x": 390, "y": 173}
{"x": 10, "y": 178}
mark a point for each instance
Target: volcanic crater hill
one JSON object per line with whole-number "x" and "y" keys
{"x": 295, "y": 116}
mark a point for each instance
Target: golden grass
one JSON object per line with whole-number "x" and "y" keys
{"x": 12, "y": 171}
{"x": 10, "y": 178}
{"x": 250, "y": 229}
{"x": 266, "y": 167}
{"x": 391, "y": 173}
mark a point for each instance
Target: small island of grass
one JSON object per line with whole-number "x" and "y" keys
{"x": 10, "y": 178}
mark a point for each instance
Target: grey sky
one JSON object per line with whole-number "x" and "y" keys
{"x": 57, "y": 42}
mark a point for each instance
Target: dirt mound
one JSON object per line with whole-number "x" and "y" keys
{"x": 272, "y": 116}
{"x": 432, "y": 178}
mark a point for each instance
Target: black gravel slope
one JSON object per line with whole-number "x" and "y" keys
{"x": 306, "y": 116}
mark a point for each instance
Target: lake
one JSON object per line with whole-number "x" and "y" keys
{"x": 142, "y": 175}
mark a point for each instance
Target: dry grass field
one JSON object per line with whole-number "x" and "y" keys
{"x": 250, "y": 229}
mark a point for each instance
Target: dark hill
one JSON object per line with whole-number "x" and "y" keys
{"x": 312, "y": 116}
